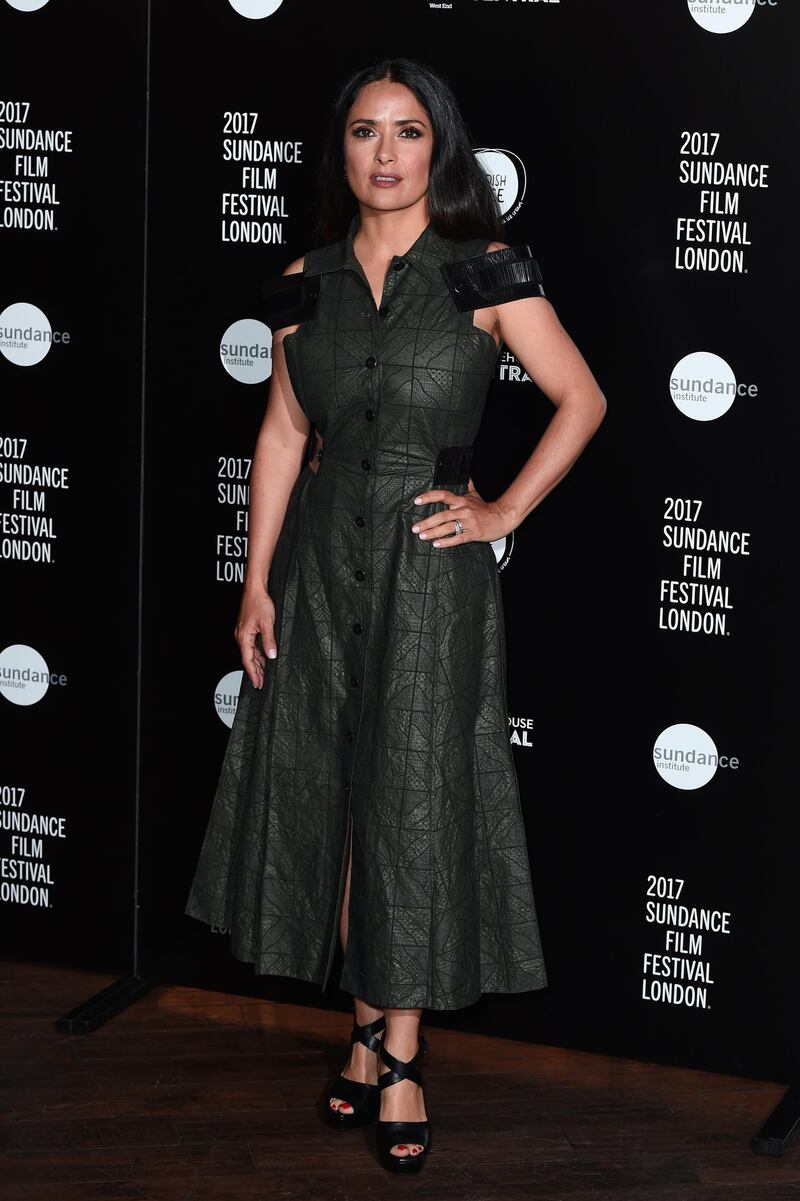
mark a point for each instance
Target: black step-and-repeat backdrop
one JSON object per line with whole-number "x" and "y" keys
{"x": 72, "y": 160}
{"x": 649, "y": 599}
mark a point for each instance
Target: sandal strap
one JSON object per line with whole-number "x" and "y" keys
{"x": 401, "y": 1069}
{"x": 366, "y": 1034}
{"x": 393, "y": 1133}
{"x": 389, "y": 1134}
{"x": 352, "y": 1091}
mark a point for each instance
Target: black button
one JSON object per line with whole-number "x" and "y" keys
{"x": 365, "y": 464}
{"x": 370, "y": 361}
{"x": 369, "y": 414}
{"x": 357, "y": 628}
{"x": 359, "y": 520}
{"x": 383, "y": 311}
{"x": 399, "y": 265}
{"x": 354, "y": 681}
{"x": 349, "y": 735}
{"x": 359, "y": 574}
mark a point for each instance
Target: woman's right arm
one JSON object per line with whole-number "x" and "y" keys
{"x": 277, "y": 462}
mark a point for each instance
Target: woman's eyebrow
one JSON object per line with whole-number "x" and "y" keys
{"x": 374, "y": 121}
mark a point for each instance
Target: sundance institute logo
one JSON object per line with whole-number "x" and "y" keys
{"x": 256, "y": 10}
{"x": 27, "y": 6}
{"x": 246, "y": 351}
{"x": 24, "y": 675}
{"x": 725, "y": 16}
{"x": 506, "y": 173}
{"x": 687, "y": 758}
{"x": 226, "y": 696}
{"x": 703, "y": 386}
{"x": 26, "y": 335}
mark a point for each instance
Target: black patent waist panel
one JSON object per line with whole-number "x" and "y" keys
{"x": 452, "y": 466}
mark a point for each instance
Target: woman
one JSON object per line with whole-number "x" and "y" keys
{"x": 368, "y": 790}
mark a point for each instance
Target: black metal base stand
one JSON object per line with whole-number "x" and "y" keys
{"x": 781, "y": 1126}
{"x": 104, "y": 1005}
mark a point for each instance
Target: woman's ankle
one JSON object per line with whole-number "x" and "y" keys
{"x": 366, "y": 1013}
{"x": 402, "y": 1045}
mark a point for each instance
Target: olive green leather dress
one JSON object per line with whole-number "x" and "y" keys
{"x": 387, "y": 700}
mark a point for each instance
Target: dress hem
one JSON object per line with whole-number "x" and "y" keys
{"x": 307, "y": 978}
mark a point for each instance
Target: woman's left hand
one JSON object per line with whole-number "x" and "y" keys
{"x": 483, "y": 521}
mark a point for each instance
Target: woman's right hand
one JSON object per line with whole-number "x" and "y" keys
{"x": 256, "y": 616}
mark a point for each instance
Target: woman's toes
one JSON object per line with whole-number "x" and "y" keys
{"x": 341, "y": 1106}
{"x": 403, "y": 1149}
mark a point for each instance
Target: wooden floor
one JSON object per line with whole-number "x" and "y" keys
{"x": 198, "y": 1096}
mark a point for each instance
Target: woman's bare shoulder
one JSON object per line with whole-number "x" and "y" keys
{"x": 296, "y": 266}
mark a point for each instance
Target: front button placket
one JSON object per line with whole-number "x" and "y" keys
{"x": 360, "y": 574}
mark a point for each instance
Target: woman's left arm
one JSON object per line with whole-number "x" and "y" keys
{"x": 533, "y": 333}
{"x": 535, "y": 336}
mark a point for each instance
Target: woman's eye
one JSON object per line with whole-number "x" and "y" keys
{"x": 409, "y": 132}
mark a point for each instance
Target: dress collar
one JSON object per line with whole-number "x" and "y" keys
{"x": 426, "y": 254}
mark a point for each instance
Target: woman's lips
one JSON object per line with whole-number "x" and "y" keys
{"x": 384, "y": 181}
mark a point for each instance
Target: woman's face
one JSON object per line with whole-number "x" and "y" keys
{"x": 388, "y": 141}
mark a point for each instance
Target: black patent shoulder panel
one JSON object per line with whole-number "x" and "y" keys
{"x": 289, "y": 299}
{"x": 493, "y": 278}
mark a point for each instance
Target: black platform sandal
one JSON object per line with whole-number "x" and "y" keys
{"x": 364, "y": 1098}
{"x": 389, "y": 1134}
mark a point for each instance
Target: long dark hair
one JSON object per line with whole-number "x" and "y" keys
{"x": 461, "y": 201}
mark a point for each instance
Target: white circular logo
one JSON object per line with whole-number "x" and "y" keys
{"x": 25, "y": 334}
{"x": 685, "y": 756}
{"x": 499, "y": 547}
{"x": 246, "y": 351}
{"x": 702, "y": 386}
{"x": 27, "y": 6}
{"x": 24, "y": 675}
{"x": 502, "y": 548}
{"x": 226, "y": 696}
{"x": 255, "y": 9}
{"x": 506, "y": 173}
{"x": 721, "y": 16}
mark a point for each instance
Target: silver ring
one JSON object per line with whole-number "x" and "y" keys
{"x": 459, "y": 526}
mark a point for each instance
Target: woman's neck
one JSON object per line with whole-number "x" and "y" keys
{"x": 383, "y": 234}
